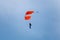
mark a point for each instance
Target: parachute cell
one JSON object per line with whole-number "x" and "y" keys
{"x": 29, "y": 12}
{"x": 27, "y": 17}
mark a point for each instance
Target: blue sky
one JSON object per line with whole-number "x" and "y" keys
{"x": 45, "y": 23}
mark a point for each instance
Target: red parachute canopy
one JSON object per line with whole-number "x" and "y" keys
{"x": 28, "y": 15}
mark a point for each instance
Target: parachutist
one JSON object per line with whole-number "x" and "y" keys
{"x": 30, "y": 25}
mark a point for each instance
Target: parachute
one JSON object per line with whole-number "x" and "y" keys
{"x": 28, "y": 16}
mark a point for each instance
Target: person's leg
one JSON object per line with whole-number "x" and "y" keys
{"x": 30, "y": 25}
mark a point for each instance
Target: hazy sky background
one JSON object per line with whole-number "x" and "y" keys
{"x": 45, "y": 23}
